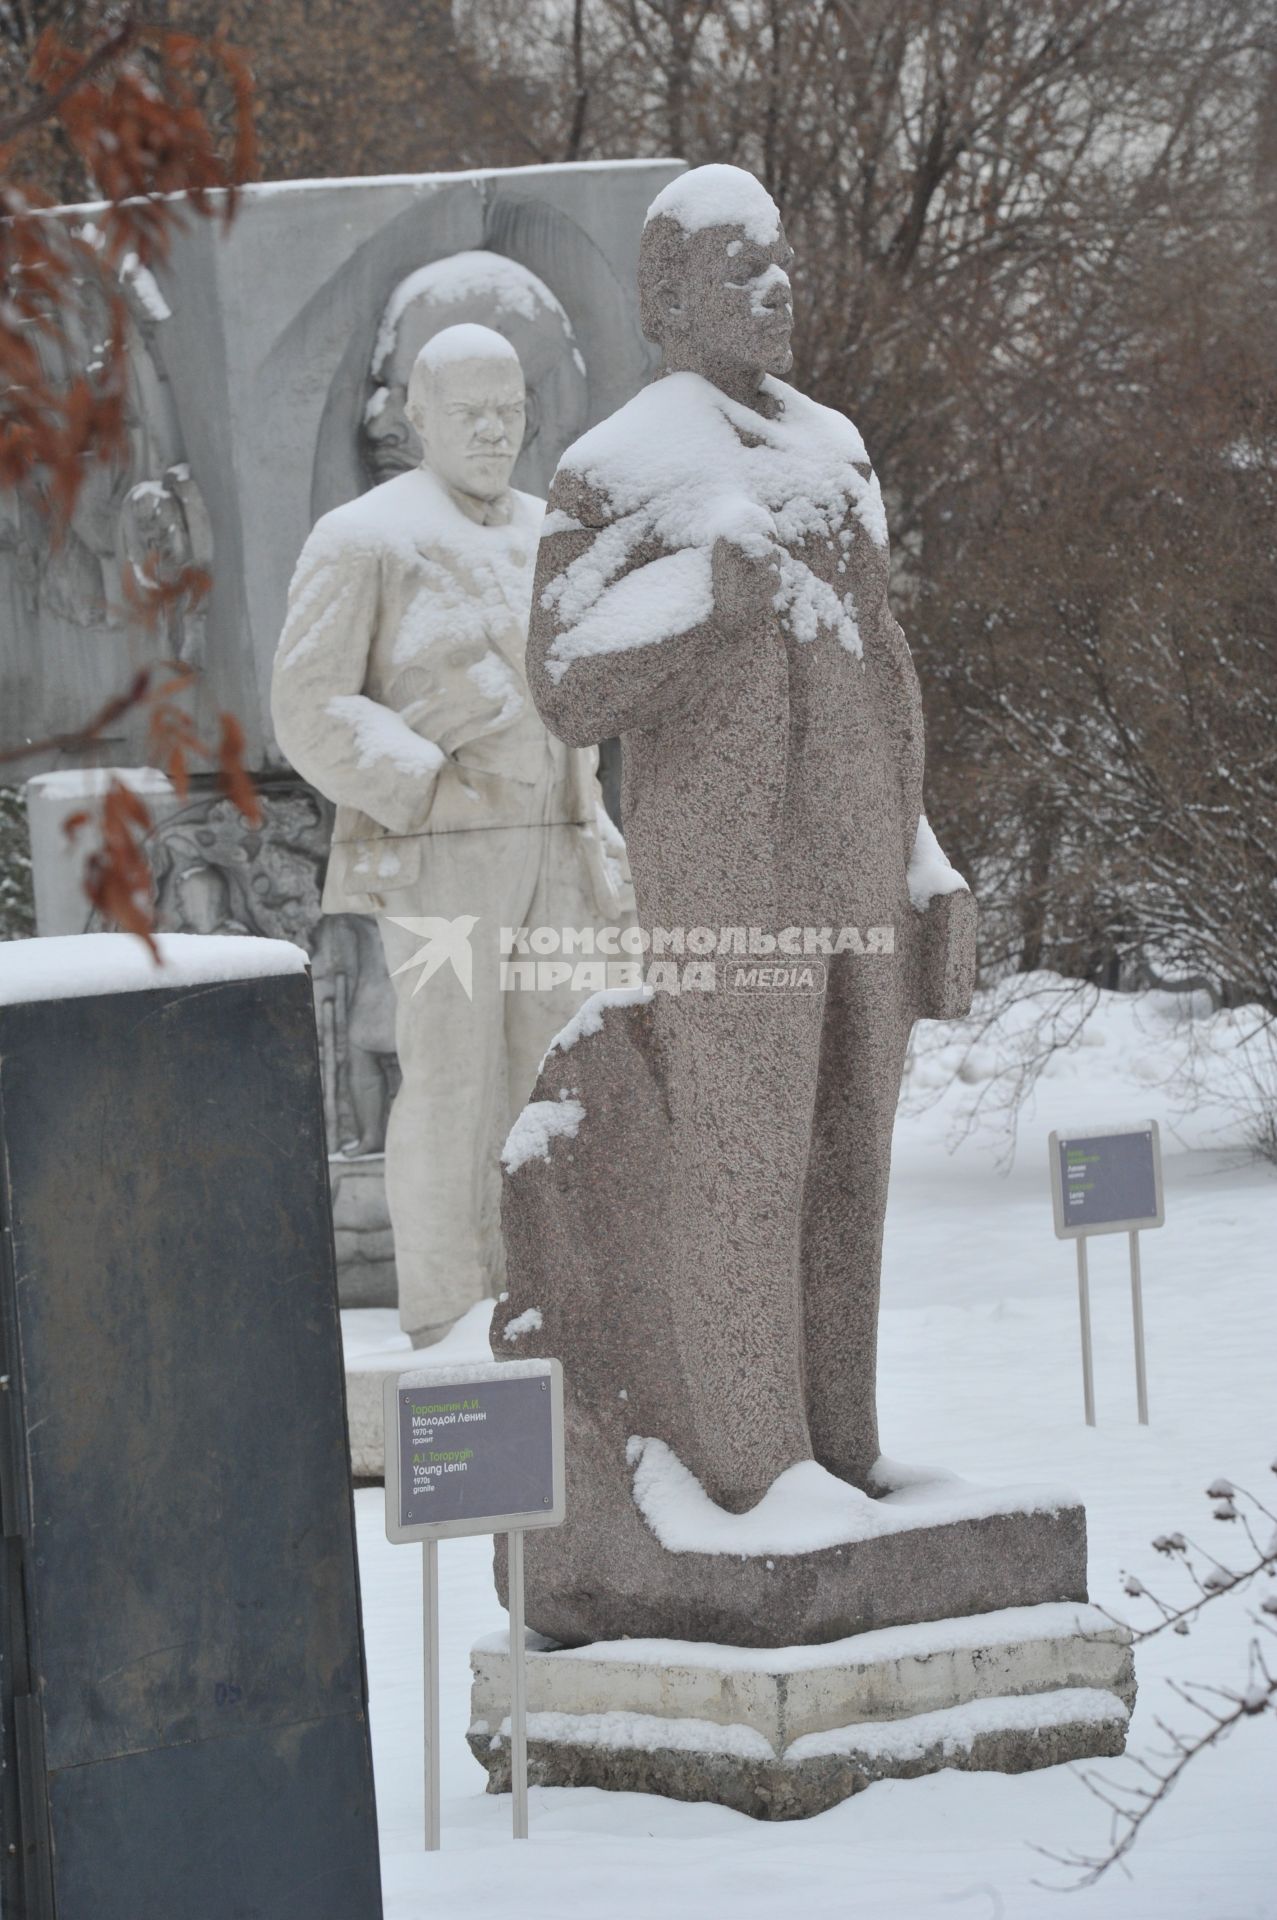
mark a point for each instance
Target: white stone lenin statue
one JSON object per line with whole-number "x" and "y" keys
{"x": 399, "y": 692}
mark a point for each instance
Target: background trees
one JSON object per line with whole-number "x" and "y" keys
{"x": 1037, "y": 257}
{"x": 1036, "y": 263}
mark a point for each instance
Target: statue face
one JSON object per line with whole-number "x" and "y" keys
{"x": 735, "y": 300}
{"x": 470, "y": 418}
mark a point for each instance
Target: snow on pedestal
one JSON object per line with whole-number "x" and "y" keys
{"x": 77, "y": 966}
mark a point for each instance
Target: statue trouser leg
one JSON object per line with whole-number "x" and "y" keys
{"x": 447, "y": 1121}
{"x": 468, "y": 1060}
{"x": 449, "y": 1055}
{"x": 740, "y": 1072}
{"x": 367, "y": 1098}
{"x": 866, "y": 1031}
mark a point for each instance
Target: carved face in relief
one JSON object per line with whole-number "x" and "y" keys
{"x": 484, "y": 289}
{"x": 466, "y": 403}
{"x": 153, "y": 533}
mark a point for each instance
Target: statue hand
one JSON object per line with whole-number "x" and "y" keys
{"x": 745, "y": 579}
{"x": 948, "y": 956}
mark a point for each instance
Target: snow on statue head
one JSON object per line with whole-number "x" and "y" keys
{"x": 714, "y": 289}
{"x": 466, "y": 405}
{"x": 486, "y": 289}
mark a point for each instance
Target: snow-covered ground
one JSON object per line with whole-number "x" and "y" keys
{"x": 980, "y": 1374}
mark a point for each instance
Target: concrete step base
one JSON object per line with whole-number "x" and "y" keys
{"x": 783, "y": 1734}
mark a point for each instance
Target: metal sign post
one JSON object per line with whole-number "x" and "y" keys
{"x": 1108, "y": 1180}
{"x": 1137, "y": 1320}
{"x": 430, "y": 1669}
{"x": 518, "y": 1690}
{"x": 474, "y": 1449}
{"x": 1084, "y": 1316}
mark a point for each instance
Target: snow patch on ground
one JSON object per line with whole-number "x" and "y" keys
{"x": 1108, "y": 1059}
{"x": 979, "y": 1370}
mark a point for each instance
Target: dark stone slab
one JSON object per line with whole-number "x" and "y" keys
{"x": 184, "y": 1664}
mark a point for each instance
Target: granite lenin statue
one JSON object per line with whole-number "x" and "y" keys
{"x": 399, "y": 692}
{"x": 702, "y": 1242}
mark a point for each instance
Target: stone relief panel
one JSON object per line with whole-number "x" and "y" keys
{"x": 214, "y": 874}
{"x": 65, "y": 641}
{"x": 499, "y": 257}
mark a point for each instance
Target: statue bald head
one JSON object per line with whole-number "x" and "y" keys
{"x": 466, "y": 402}
{"x": 714, "y": 289}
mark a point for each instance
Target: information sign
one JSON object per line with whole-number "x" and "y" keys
{"x": 1107, "y": 1181}
{"x": 474, "y": 1448}
{"x": 477, "y": 1450}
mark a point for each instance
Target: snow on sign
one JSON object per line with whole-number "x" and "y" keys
{"x": 474, "y": 1449}
{"x": 1107, "y": 1182}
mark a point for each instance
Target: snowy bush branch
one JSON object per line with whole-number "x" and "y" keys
{"x": 1220, "y": 1709}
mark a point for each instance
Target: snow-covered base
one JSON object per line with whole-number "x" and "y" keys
{"x": 807, "y": 1508}
{"x": 785, "y": 1734}
{"x": 788, "y": 1693}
